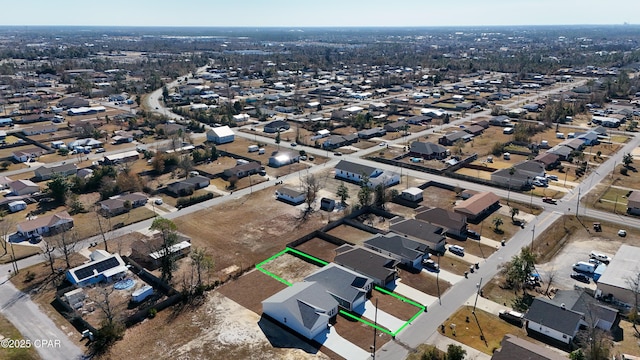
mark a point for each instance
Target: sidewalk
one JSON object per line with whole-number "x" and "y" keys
{"x": 445, "y": 276}
{"x": 413, "y": 294}
{"x": 486, "y": 305}
{"x": 441, "y": 342}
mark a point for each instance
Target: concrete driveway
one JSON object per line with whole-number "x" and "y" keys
{"x": 339, "y": 345}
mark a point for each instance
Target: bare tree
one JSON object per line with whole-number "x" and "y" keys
{"x": 311, "y": 186}
{"x": 67, "y": 245}
{"x": 634, "y": 285}
{"x": 104, "y": 238}
{"x": 550, "y": 277}
{"x": 202, "y": 262}
{"x": 595, "y": 342}
{"x": 49, "y": 255}
{"x": 6, "y": 228}
{"x": 104, "y": 302}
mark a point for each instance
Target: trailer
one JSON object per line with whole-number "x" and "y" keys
{"x": 142, "y": 293}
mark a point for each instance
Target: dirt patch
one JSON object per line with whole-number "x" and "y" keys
{"x": 350, "y": 234}
{"x": 290, "y": 268}
{"x": 219, "y": 329}
{"x": 319, "y": 248}
{"x": 245, "y": 292}
{"x": 423, "y": 282}
{"x": 394, "y": 306}
{"x": 454, "y": 264}
{"x": 358, "y": 333}
{"x": 247, "y": 230}
{"x": 473, "y": 247}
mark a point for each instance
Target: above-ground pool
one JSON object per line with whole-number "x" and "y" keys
{"x": 124, "y": 284}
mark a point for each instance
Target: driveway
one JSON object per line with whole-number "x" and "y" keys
{"x": 382, "y": 318}
{"x": 339, "y": 345}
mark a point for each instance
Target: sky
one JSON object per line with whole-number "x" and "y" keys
{"x": 301, "y": 13}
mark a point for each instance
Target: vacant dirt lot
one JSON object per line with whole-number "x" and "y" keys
{"x": 319, "y": 248}
{"x": 423, "y": 282}
{"x": 350, "y": 234}
{"x": 290, "y": 268}
{"x": 246, "y": 230}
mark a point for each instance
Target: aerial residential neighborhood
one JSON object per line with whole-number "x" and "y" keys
{"x": 329, "y": 193}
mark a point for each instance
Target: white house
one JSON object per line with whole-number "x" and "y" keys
{"x": 282, "y": 158}
{"x": 102, "y": 267}
{"x": 356, "y": 172}
{"x": 220, "y": 135}
{"x": 290, "y": 195}
{"x": 46, "y": 224}
{"x": 305, "y": 308}
{"x": 550, "y": 320}
{"x": 16, "y": 206}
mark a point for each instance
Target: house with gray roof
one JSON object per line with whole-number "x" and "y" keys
{"x": 427, "y": 150}
{"x": 596, "y": 314}
{"x": 290, "y": 195}
{"x": 562, "y": 151}
{"x": 513, "y": 347}
{"x": 553, "y": 321}
{"x": 349, "y": 288}
{"x": 371, "y": 133}
{"x": 336, "y": 141}
{"x": 453, "y": 223}
{"x": 48, "y": 172}
{"x": 378, "y": 267}
{"x": 355, "y": 173}
{"x": 429, "y": 234}
{"x": 406, "y": 251}
{"x": 451, "y": 138}
{"x": 306, "y": 308}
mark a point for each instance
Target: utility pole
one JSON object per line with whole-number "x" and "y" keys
{"x": 533, "y": 235}
{"x": 375, "y": 333}
{"x": 477, "y": 293}
{"x": 578, "y": 204}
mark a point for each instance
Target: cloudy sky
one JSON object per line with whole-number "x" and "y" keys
{"x": 299, "y": 13}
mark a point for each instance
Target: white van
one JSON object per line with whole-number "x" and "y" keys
{"x": 585, "y": 267}
{"x": 260, "y": 151}
{"x": 457, "y": 249}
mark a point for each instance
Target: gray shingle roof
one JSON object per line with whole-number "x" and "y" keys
{"x": 399, "y": 245}
{"x": 419, "y": 230}
{"x": 306, "y": 301}
{"x": 545, "y": 312}
{"x": 354, "y": 168}
{"x": 365, "y": 261}
{"x": 427, "y": 148}
{"x": 341, "y": 282}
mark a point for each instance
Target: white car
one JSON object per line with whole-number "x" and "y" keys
{"x": 600, "y": 257}
{"x": 158, "y": 201}
{"x": 457, "y": 249}
{"x": 622, "y": 233}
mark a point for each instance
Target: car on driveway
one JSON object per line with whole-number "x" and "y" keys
{"x": 549, "y": 200}
{"x": 431, "y": 265}
{"x": 473, "y": 234}
{"x": 294, "y": 144}
{"x": 457, "y": 249}
{"x": 158, "y": 201}
{"x": 538, "y": 183}
{"x": 580, "y": 277}
{"x": 337, "y": 153}
{"x": 622, "y": 233}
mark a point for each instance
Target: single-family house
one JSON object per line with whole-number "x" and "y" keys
{"x": 427, "y": 233}
{"x": 27, "y": 154}
{"x": 48, "y": 172}
{"x": 122, "y": 203}
{"x": 276, "y": 126}
{"x": 478, "y": 205}
{"x": 23, "y": 187}
{"x": 221, "y": 135}
{"x": 549, "y": 160}
{"x": 530, "y": 168}
{"x": 355, "y": 173}
{"x": 633, "y": 203}
{"x": 336, "y": 141}
{"x": 563, "y": 152}
{"x": 419, "y": 119}
{"x": 380, "y": 268}
{"x": 86, "y": 142}
{"x": 553, "y": 321}
{"x": 427, "y": 150}
{"x": 595, "y": 313}
{"x": 73, "y": 102}
{"x": 513, "y": 347}
{"x": 305, "y": 307}
{"x": 406, "y": 251}
{"x": 151, "y": 251}
{"x": 6, "y": 121}
{"x": 474, "y": 130}
{"x": 349, "y": 288}
{"x": 103, "y": 267}
{"x": 50, "y": 224}
{"x": 413, "y": 194}
{"x": 575, "y": 144}
{"x": 453, "y": 223}
{"x": 188, "y": 185}
{"x": 290, "y": 195}
{"x": 4, "y": 182}
{"x": 451, "y": 138}
{"x": 40, "y": 129}
{"x": 127, "y": 156}
{"x": 396, "y": 126}
{"x": 371, "y": 133}
{"x": 501, "y": 120}
{"x": 282, "y": 158}
{"x": 484, "y": 123}
{"x": 242, "y": 170}
{"x": 589, "y": 138}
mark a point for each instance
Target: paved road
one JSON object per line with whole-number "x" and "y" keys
{"x": 34, "y": 325}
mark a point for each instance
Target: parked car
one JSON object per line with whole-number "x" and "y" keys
{"x": 622, "y": 233}
{"x": 337, "y": 153}
{"x": 100, "y": 150}
{"x": 382, "y": 144}
{"x": 511, "y": 316}
{"x": 600, "y": 257}
{"x": 294, "y": 144}
{"x": 158, "y": 201}
{"x": 457, "y": 249}
{"x": 35, "y": 239}
{"x": 473, "y": 234}
{"x": 538, "y": 183}
{"x": 549, "y": 200}
{"x": 552, "y": 177}
{"x": 431, "y": 265}
{"x": 580, "y": 277}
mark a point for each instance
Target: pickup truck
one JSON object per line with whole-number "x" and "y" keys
{"x": 549, "y": 200}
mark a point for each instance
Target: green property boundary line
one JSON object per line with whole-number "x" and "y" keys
{"x": 343, "y": 312}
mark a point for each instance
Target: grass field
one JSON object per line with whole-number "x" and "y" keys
{"x": 20, "y": 252}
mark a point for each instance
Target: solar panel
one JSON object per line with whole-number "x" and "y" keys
{"x": 100, "y": 266}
